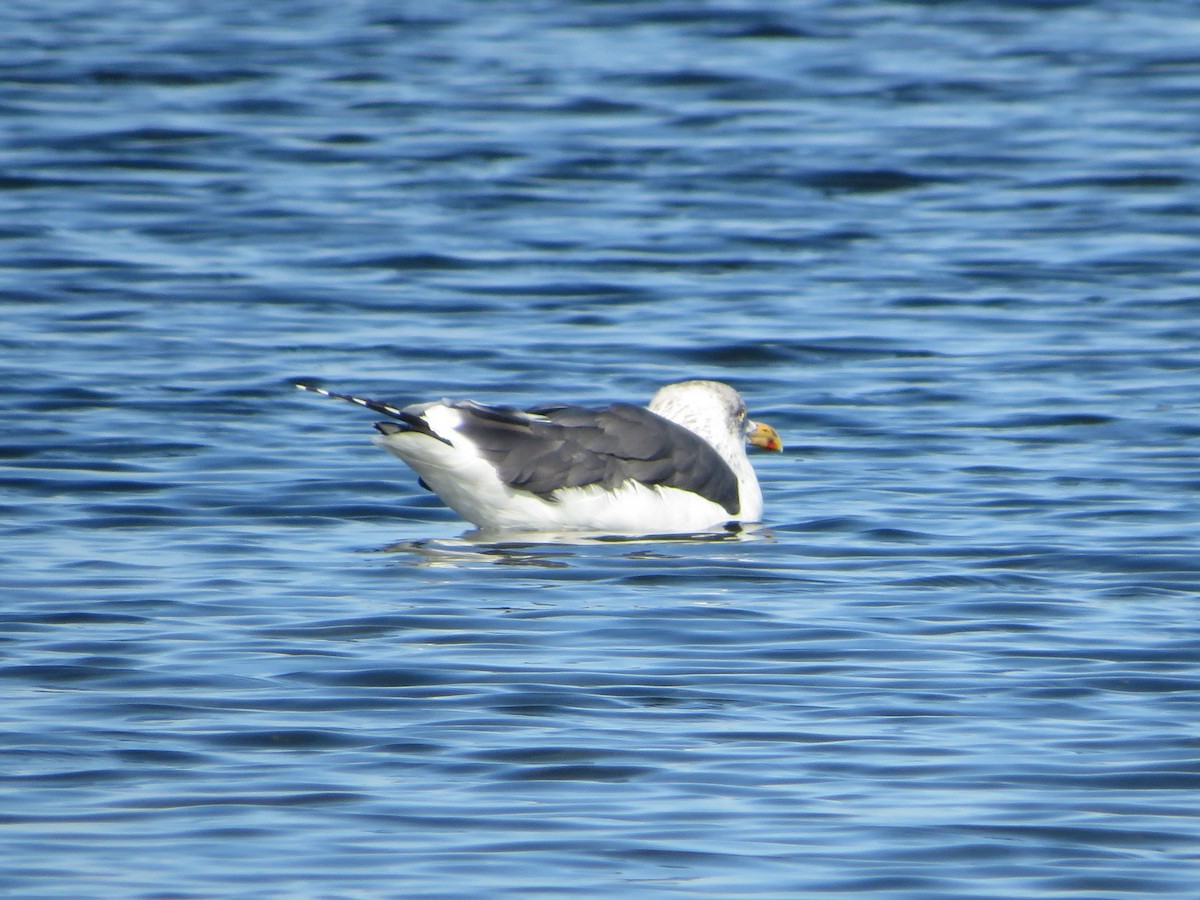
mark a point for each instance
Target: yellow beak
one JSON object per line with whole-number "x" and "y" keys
{"x": 764, "y": 436}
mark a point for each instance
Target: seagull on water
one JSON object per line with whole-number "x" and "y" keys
{"x": 676, "y": 466}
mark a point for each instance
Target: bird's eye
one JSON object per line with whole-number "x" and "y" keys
{"x": 740, "y": 412}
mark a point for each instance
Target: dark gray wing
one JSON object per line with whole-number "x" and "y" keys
{"x": 548, "y": 448}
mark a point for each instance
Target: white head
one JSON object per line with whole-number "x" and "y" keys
{"x": 711, "y": 409}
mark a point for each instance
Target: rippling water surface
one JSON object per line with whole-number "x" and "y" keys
{"x": 948, "y": 250}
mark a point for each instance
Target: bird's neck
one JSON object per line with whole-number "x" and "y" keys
{"x": 732, "y": 449}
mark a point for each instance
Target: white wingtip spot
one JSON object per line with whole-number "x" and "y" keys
{"x": 376, "y": 405}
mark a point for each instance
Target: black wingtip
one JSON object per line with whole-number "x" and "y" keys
{"x": 410, "y": 424}
{"x": 409, "y": 421}
{"x": 374, "y": 405}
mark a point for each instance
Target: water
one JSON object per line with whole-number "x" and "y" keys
{"x": 948, "y": 250}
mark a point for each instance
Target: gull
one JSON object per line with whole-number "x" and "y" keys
{"x": 676, "y": 466}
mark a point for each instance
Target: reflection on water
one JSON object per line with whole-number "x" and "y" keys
{"x": 548, "y": 550}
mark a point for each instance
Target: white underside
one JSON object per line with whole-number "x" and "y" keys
{"x": 471, "y": 487}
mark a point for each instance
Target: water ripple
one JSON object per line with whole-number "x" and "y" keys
{"x": 945, "y": 249}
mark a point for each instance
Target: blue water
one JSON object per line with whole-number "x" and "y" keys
{"x": 948, "y": 249}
